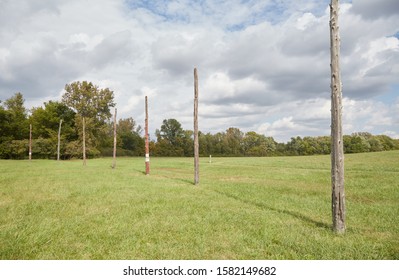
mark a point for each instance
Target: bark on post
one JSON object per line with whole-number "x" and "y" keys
{"x": 30, "y": 142}
{"x": 337, "y": 150}
{"x": 84, "y": 140}
{"x": 59, "y": 141}
{"x": 114, "y": 153}
{"x": 196, "y": 144}
{"x": 147, "y": 146}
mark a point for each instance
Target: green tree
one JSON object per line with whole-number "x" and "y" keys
{"x": 188, "y": 143}
{"x": 5, "y": 124}
{"x": 295, "y": 147}
{"x": 5, "y": 133}
{"x": 324, "y": 145}
{"x": 218, "y": 147}
{"x": 171, "y": 131}
{"x": 173, "y": 140}
{"x": 356, "y": 143}
{"x": 92, "y": 105}
{"x": 46, "y": 121}
{"x": 206, "y": 145}
{"x": 129, "y": 136}
{"x": 255, "y": 144}
{"x": 387, "y": 142}
{"x": 18, "y": 117}
{"x": 233, "y": 141}
{"x": 375, "y": 144}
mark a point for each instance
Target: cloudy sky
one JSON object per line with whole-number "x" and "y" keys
{"x": 263, "y": 65}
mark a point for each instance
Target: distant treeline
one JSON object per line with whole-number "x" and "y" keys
{"x": 171, "y": 138}
{"x": 236, "y": 143}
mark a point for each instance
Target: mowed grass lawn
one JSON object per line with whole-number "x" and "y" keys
{"x": 244, "y": 208}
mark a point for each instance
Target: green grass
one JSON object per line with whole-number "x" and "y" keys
{"x": 244, "y": 208}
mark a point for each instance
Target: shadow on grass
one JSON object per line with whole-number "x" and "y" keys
{"x": 139, "y": 171}
{"x": 186, "y": 181}
{"x": 287, "y": 212}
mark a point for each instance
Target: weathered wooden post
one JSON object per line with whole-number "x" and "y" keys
{"x": 114, "y": 153}
{"x": 59, "y": 140}
{"x": 147, "y": 145}
{"x": 84, "y": 140}
{"x": 196, "y": 143}
{"x": 30, "y": 142}
{"x": 337, "y": 150}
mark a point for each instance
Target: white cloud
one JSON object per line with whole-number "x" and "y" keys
{"x": 218, "y": 85}
{"x": 263, "y": 65}
{"x": 305, "y": 21}
{"x": 299, "y": 118}
{"x": 84, "y": 41}
{"x": 370, "y": 9}
{"x": 369, "y": 115}
{"x": 392, "y": 134}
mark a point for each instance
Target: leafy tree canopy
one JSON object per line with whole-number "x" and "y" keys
{"x": 18, "y": 125}
{"x": 171, "y": 131}
{"x": 15, "y": 105}
{"x": 46, "y": 120}
{"x": 89, "y": 100}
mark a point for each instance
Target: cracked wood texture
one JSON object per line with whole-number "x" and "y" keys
{"x": 196, "y": 143}
{"x": 30, "y": 142}
{"x": 59, "y": 140}
{"x": 337, "y": 150}
{"x": 114, "y": 151}
{"x": 84, "y": 140}
{"x": 147, "y": 145}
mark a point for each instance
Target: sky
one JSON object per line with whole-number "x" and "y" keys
{"x": 263, "y": 65}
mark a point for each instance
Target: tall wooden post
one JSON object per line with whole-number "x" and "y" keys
{"x": 84, "y": 140}
{"x": 196, "y": 144}
{"x": 30, "y": 142}
{"x": 114, "y": 153}
{"x": 337, "y": 150}
{"x": 147, "y": 145}
{"x": 59, "y": 141}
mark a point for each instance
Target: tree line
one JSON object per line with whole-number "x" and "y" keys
{"x": 85, "y": 114}
{"x": 171, "y": 138}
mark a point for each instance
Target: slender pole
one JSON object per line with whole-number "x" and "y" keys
{"x": 114, "y": 154}
{"x": 147, "y": 146}
{"x": 84, "y": 140}
{"x": 30, "y": 142}
{"x": 196, "y": 144}
{"x": 59, "y": 141}
{"x": 337, "y": 150}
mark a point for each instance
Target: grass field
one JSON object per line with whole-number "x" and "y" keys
{"x": 244, "y": 208}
